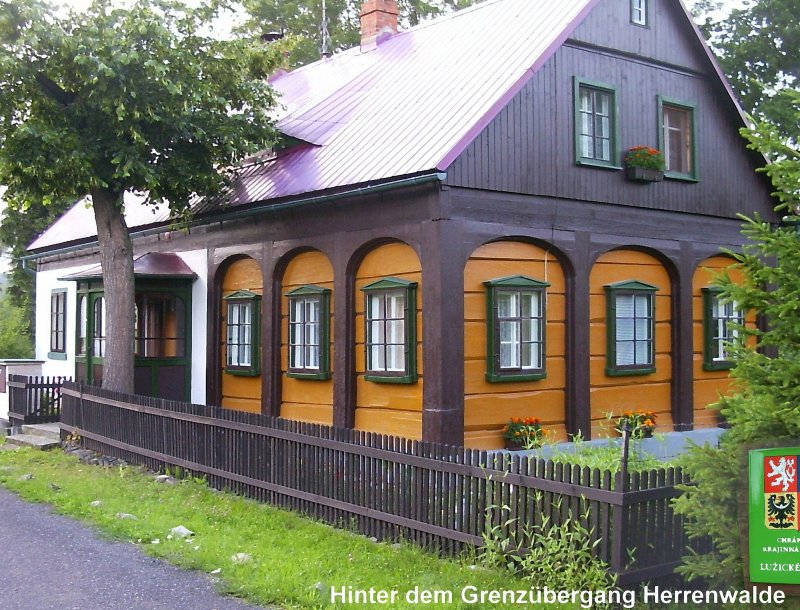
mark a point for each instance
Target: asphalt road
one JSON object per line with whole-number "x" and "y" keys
{"x": 50, "y": 561}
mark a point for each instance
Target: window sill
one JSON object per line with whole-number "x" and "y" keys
{"x": 718, "y": 366}
{"x": 324, "y": 376}
{"x": 614, "y": 372}
{"x": 407, "y": 379}
{"x": 243, "y": 372}
{"x": 598, "y": 164}
{"x": 681, "y": 177}
{"x": 57, "y": 355}
{"x": 514, "y": 377}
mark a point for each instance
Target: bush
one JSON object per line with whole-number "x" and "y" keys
{"x": 15, "y": 339}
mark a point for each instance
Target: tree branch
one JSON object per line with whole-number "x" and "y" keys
{"x": 52, "y": 90}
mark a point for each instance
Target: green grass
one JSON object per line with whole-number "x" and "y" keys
{"x": 295, "y": 560}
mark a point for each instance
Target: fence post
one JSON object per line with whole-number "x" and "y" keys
{"x": 619, "y": 542}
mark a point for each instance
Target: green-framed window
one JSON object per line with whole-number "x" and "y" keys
{"x": 58, "y": 324}
{"x": 722, "y": 321}
{"x": 677, "y": 138}
{"x": 631, "y": 312}
{"x": 516, "y": 327}
{"x": 309, "y": 333}
{"x": 82, "y": 324}
{"x": 99, "y": 327}
{"x": 243, "y": 333}
{"x": 596, "y": 124}
{"x": 391, "y": 331}
{"x": 639, "y": 12}
{"x": 160, "y": 325}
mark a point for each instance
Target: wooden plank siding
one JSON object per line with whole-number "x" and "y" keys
{"x": 651, "y": 392}
{"x": 239, "y": 393}
{"x": 388, "y": 408}
{"x": 305, "y": 399}
{"x": 710, "y": 385}
{"x": 529, "y": 147}
{"x": 488, "y": 406}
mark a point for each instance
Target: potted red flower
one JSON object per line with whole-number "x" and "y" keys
{"x": 524, "y": 433}
{"x": 644, "y": 164}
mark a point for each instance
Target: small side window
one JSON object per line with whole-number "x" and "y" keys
{"x": 58, "y": 325}
{"x": 243, "y": 333}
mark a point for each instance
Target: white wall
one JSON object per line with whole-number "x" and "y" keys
{"x": 47, "y": 281}
{"x": 197, "y": 260}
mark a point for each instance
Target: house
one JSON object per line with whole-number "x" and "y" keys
{"x": 449, "y": 237}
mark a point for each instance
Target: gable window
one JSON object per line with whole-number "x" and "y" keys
{"x": 595, "y": 124}
{"x": 309, "y": 332}
{"x": 243, "y": 333}
{"x": 639, "y": 12}
{"x": 516, "y": 321}
{"x": 721, "y": 322}
{"x": 58, "y": 324}
{"x": 391, "y": 331}
{"x": 631, "y": 328}
{"x": 678, "y": 139}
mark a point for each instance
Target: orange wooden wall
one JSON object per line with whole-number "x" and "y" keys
{"x": 240, "y": 393}
{"x": 651, "y": 392}
{"x": 305, "y": 399}
{"x": 488, "y": 406}
{"x": 709, "y": 385}
{"x": 388, "y": 408}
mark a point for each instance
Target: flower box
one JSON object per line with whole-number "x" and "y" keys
{"x": 643, "y": 174}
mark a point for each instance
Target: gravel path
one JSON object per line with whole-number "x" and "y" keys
{"x": 50, "y": 561}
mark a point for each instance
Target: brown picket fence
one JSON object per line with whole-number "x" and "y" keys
{"x": 34, "y": 400}
{"x": 441, "y": 497}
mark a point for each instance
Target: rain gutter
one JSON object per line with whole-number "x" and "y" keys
{"x": 261, "y": 209}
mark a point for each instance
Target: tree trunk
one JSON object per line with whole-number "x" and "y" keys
{"x": 116, "y": 261}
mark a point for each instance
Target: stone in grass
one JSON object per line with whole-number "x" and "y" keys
{"x": 181, "y": 532}
{"x": 165, "y": 478}
{"x": 127, "y": 516}
{"x": 96, "y": 503}
{"x": 241, "y": 558}
{"x": 26, "y": 477}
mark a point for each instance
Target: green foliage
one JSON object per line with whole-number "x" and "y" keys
{"x": 606, "y": 457}
{"x": 766, "y": 405}
{"x": 757, "y": 46}
{"x": 15, "y": 340}
{"x": 18, "y": 228}
{"x": 125, "y": 99}
{"x": 556, "y": 555}
{"x": 295, "y": 560}
{"x": 303, "y": 19}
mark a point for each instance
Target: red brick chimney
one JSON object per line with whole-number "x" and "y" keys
{"x": 377, "y": 17}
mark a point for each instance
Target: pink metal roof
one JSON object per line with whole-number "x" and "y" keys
{"x": 150, "y": 265}
{"x": 410, "y": 105}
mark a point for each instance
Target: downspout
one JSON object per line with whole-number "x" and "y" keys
{"x": 261, "y": 209}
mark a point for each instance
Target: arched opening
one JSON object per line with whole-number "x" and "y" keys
{"x": 306, "y": 296}
{"x": 630, "y": 339}
{"x": 240, "y": 335}
{"x": 388, "y": 341}
{"x": 514, "y": 340}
